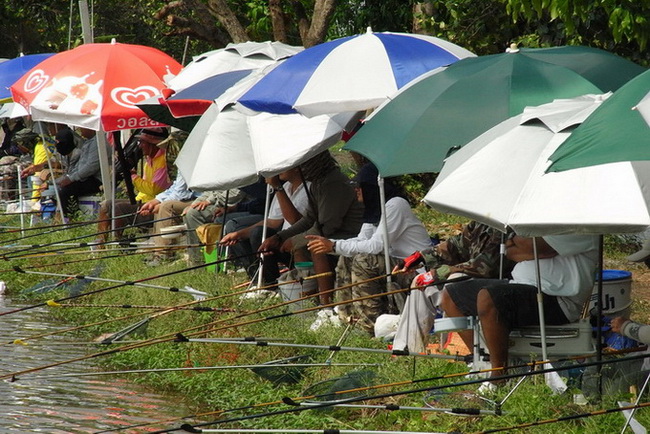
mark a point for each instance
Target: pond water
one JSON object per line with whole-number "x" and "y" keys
{"x": 46, "y": 402}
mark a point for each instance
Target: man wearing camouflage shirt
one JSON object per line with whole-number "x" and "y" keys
{"x": 474, "y": 252}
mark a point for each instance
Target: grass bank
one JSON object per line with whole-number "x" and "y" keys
{"x": 224, "y": 390}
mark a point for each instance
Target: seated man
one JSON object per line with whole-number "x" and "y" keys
{"x": 567, "y": 265}
{"x": 84, "y": 177}
{"x": 202, "y": 211}
{"x": 289, "y": 204}
{"x": 334, "y": 213}
{"x": 362, "y": 257}
{"x": 154, "y": 180}
{"x": 474, "y": 252}
{"x": 166, "y": 210}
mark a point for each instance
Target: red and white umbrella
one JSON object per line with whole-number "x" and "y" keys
{"x": 96, "y": 86}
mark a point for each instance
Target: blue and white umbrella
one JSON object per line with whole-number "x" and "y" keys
{"x": 349, "y": 74}
{"x": 12, "y": 69}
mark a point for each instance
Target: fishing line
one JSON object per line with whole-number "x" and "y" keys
{"x": 361, "y": 389}
{"x": 21, "y": 341}
{"x": 201, "y": 368}
{"x": 181, "y": 338}
{"x": 570, "y": 417}
{"x": 126, "y": 283}
{"x": 55, "y": 228}
{"x": 103, "y": 279}
{"x": 297, "y": 408}
{"x": 80, "y": 237}
{"x": 131, "y": 306}
{"x": 161, "y": 339}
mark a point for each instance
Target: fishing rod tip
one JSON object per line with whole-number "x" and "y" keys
{"x": 189, "y": 428}
{"x": 181, "y": 338}
{"x": 290, "y": 401}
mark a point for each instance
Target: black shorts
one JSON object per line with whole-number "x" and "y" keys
{"x": 516, "y": 303}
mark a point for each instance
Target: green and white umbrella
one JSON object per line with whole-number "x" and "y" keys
{"x": 499, "y": 179}
{"x": 617, "y": 131}
{"x": 447, "y": 108}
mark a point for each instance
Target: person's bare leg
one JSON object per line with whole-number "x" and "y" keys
{"x": 103, "y": 226}
{"x": 495, "y": 332}
{"x": 451, "y": 310}
{"x": 325, "y": 283}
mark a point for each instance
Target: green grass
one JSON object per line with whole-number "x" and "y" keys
{"x": 222, "y": 390}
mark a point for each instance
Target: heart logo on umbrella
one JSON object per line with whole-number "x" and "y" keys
{"x": 36, "y": 80}
{"x": 128, "y": 98}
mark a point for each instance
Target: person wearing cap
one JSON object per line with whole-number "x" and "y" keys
{"x": 334, "y": 212}
{"x": 288, "y": 205}
{"x": 82, "y": 178}
{"x": 642, "y": 255}
{"x": 153, "y": 181}
{"x": 362, "y": 260}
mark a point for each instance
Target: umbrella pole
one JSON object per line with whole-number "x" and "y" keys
{"x": 56, "y": 189}
{"x": 540, "y": 301}
{"x": 260, "y": 271}
{"x": 599, "y": 315}
{"x": 103, "y": 164}
{"x": 382, "y": 200}
{"x": 20, "y": 201}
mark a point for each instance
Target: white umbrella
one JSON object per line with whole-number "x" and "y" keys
{"x": 12, "y": 110}
{"x": 499, "y": 179}
{"x": 228, "y": 149}
{"x": 234, "y": 57}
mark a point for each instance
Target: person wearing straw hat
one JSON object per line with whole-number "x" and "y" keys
{"x": 154, "y": 180}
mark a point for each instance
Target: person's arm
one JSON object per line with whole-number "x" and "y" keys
{"x": 631, "y": 329}
{"x": 177, "y": 191}
{"x": 88, "y": 164}
{"x": 520, "y": 249}
{"x": 288, "y": 208}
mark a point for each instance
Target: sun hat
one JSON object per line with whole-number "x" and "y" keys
{"x": 153, "y": 134}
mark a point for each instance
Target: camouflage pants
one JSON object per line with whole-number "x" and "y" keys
{"x": 360, "y": 268}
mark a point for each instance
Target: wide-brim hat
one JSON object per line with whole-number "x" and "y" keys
{"x": 153, "y": 134}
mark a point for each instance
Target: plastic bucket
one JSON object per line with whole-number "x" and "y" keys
{"x": 89, "y": 205}
{"x": 617, "y": 292}
{"x": 295, "y": 290}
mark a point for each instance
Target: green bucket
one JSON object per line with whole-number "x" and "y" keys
{"x": 210, "y": 257}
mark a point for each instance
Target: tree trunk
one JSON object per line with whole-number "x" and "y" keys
{"x": 227, "y": 18}
{"x": 277, "y": 21}
{"x": 421, "y": 11}
{"x": 323, "y": 11}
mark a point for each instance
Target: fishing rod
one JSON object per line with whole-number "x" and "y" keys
{"x": 21, "y": 341}
{"x": 161, "y": 339}
{"x": 57, "y": 228}
{"x": 202, "y": 368}
{"x": 186, "y": 289}
{"x": 182, "y": 338}
{"x": 325, "y": 404}
{"x": 298, "y": 431}
{"x": 126, "y": 246}
{"x": 359, "y": 389}
{"x": 570, "y": 417}
{"x": 135, "y": 306}
{"x": 125, "y": 283}
{"x": 80, "y": 237}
